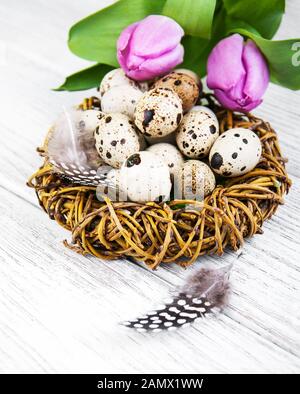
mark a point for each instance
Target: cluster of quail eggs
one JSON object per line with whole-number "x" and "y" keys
{"x": 154, "y": 133}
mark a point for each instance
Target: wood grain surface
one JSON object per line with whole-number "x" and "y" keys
{"x": 59, "y": 312}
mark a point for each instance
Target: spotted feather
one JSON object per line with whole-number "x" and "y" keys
{"x": 83, "y": 175}
{"x": 204, "y": 293}
{"x": 71, "y": 149}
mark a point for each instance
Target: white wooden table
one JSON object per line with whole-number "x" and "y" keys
{"x": 59, "y": 311}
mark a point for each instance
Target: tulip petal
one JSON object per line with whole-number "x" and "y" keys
{"x": 140, "y": 75}
{"x": 225, "y": 100}
{"x": 150, "y": 48}
{"x": 237, "y": 91}
{"x": 156, "y": 35}
{"x": 125, "y": 36}
{"x": 251, "y": 105}
{"x": 225, "y": 66}
{"x": 166, "y": 61}
{"x": 151, "y": 68}
{"x": 123, "y": 45}
{"x": 242, "y": 105}
{"x": 134, "y": 62}
{"x": 257, "y": 71}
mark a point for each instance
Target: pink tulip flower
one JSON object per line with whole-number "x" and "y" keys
{"x": 238, "y": 73}
{"x": 150, "y": 48}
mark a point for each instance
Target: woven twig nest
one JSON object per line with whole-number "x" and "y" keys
{"x": 166, "y": 232}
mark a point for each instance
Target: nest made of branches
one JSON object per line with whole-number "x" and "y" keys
{"x": 168, "y": 232}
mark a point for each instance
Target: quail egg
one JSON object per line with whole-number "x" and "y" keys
{"x": 190, "y": 73}
{"x": 86, "y": 122}
{"x": 145, "y": 177}
{"x": 116, "y": 77}
{"x": 112, "y": 188}
{"x": 88, "y": 119}
{"x": 121, "y": 99}
{"x": 183, "y": 85}
{"x": 116, "y": 139}
{"x": 114, "y": 176}
{"x": 158, "y": 112}
{"x": 195, "y": 180}
{"x": 235, "y": 152}
{"x": 170, "y": 155}
{"x": 197, "y": 132}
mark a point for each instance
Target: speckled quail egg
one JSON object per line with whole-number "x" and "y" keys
{"x": 114, "y": 176}
{"x": 112, "y": 188}
{"x": 197, "y": 132}
{"x": 235, "y": 152}
{"x": 116, "y": 139}
{"x": 114, "y": 78}
{"x": 121, "y": 99}
{"x": 183, "y": 85}
{"x": 196, "y": 180}
{"x": 191, "y": 73}
{"x": 145, "y": 177}
{"x": 158, "y": 112}
{"x": 169, "y": 154}
{"x": 117, "y": 77}
{"x": 88, "y": 119}
{"x": 86, "y": 122}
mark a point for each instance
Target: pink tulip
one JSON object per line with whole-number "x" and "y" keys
{"x": 238, "y": 73}
{"x": 150, "y": 47}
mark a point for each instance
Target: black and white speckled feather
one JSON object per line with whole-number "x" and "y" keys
{"x": 71, "y": 149}
{"x": 205, "y": 292}
{"x": 83, "y": 175}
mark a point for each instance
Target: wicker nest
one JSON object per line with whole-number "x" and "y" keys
{"x": 166, "y": 232}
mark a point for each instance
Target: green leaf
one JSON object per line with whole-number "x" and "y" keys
{"x": 194, "y": 16}
{"x": 233, "y": 24}
{"x": 94, "y": 38}
{"x": 197, "y": 49}
{"x": 85, "y": 79}
{"x": 264, "y": 15}
{"x": 196, "y": 52}
{"x": 282, "y": 56}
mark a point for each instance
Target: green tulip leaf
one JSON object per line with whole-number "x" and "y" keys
{"x": 94, "y": 38}
{"x": 233, "y": 24}
{"x": 264, "y": 15}
{"x": 283, "y": 58}
{"x": 85, "y": 79}
{"x": 194, "y": 16}
{"x": 197, "y": 50}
